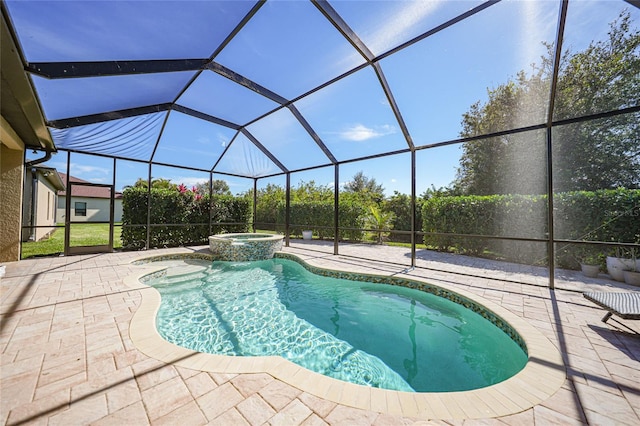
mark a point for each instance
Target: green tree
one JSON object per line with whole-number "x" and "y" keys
{"x": 590, "y": 155}
{"x": 364, "y": 189}
{"x": 268, "y": 199}
{"x": 310, "y": 191}
{"x": 219, "y": 187}
{"x": 159, "y": 183}
{"x": 604, "y": 77}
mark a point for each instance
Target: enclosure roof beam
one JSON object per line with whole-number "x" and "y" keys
{"x": 206, "y": 117}
{"x": 330, "y": 13}
{"x": 264, "y": 150}
{"x": 238, "y": 27}
{"x": 439, "y": 28}
{"x": 337, "y": 21}
{"x": 107, "y": 116}
{"x": 394, "y": 106}
{"x": 312, "y": 133}
{"x": 226, "y": 148}
{"x": 58, "y": 70}
{"x": 244, "y": 81}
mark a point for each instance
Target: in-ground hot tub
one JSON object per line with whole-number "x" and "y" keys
{"x": 243, "y": 247}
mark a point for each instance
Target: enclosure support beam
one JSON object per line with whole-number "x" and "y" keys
{"x": 67, "y": 208}
{"x": 210, "y": 202}
{"x": 413, "y": 208}
{"x": 148, "y": 243}
{"x": 551, "y": 255}
{"x": 255, "y": 203}
{"x": 112, "y": 206}
{"x": 336, "y": 207}
{"x": 551, "y": 235}
{"x": 287, "y": 212}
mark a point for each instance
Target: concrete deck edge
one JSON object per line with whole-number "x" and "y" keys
{"x": 542, "y": 376}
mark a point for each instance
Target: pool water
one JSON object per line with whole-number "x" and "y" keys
{"x": 248, "y": 237}
{"x": 371, "y": 334}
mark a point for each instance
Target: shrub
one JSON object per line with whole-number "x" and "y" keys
{"x": 183, "y": 217}
{"x": 317, "y": 216}
{"x": 604, "y": 215}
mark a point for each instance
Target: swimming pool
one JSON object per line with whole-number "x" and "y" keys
{"x": 366, "y": 333}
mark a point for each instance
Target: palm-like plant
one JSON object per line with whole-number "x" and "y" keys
{"x": 379, "y": 220}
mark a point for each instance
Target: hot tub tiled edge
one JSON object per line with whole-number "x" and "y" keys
{"x": 241, "y": 247}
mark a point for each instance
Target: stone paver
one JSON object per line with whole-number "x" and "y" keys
{"x": 66, "y": 356}
{"x": 255, "y": 409}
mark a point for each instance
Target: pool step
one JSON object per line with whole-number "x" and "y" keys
{"x": 177, "y": 279}
{"x": 177, "y": 271}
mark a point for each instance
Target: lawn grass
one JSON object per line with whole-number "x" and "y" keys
{"x": 90, "y": 234}
{"x": 82, "y": 234}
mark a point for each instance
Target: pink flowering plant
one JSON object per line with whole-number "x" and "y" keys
{"x": 179, "y": 215}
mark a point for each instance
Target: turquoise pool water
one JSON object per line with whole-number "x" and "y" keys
{"x": 372, "y": 334}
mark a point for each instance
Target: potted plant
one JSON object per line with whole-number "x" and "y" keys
{"x": 590, "y": 262}
{"x": 617, "y": 264}
{"x": 306, "y": 235}
{"x": 632, "y": 275}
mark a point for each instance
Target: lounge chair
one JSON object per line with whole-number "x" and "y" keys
{"x": 626, "y": 305}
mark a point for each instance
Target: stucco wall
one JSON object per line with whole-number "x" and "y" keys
{"x": 46, "y": 206}
{"x": 11, "y": 173}
{"x": 97, "y": 209}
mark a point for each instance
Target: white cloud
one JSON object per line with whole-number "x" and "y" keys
{"x": 360, "y": 132}
{"x": 400, "y": 25}
{"x": 223, "y": 140}
{"x": 94, "y": 173}
{"x": 79, "y": 169}
{"x": 58, "y": 165}
{"x": 203, "y": 140}
{"x": 188, "y": 181}
{"x": 343, "y": 185}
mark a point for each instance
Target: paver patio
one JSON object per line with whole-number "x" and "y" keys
{"x": 67, "y": 357}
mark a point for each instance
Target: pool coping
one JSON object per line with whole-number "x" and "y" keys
{"x": 542, "y": 376}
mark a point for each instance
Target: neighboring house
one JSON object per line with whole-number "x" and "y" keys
{"x": 88, "y": 203}
{"x": 41, "y": 186}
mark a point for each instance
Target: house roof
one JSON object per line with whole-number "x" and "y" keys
{"x": 51, "y": 175}
{"x": 19, "y": 105}
{"x": 89, "y": 190}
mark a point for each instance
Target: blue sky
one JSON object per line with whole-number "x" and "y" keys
{"x": 288, "y": 48}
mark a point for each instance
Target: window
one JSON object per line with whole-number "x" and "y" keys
{"x": 81, "y": 209}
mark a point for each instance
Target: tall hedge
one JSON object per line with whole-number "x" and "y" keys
{"x": 400, "y": 206}
{"x": 605, "y": 215}
{"x": 186, "y": 217}
{"x": 316, "y": 216}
